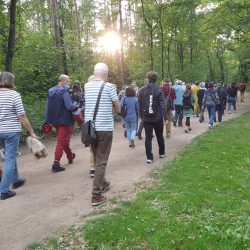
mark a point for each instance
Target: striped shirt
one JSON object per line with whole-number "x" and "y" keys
{"x": 104, "y": 117}
{"x": 11, "y": 107}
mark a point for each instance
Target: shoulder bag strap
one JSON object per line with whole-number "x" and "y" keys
{"x": 98, "y": 101}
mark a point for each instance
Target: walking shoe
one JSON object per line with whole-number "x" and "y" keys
{"x": 174, "y": 124}
{"x": 168, "y": 135}
{"x": 56, "y": 169}
{"x": 189, "y": 129}
{"x": 162, "y": 156}
{"x": 132, "y": 143}
{"x": 149, "y": 161}
{"x": 7, "y": 195}
{"x": 92, "y": 173}
{"x": 125, "y": 133}
{"x": 139, "y": 136}
{"x": 106, "y": 188}
{"x": 98, "y": 200}
{"x": 186, "y": 131}
{"x": 210, "y": 126}
{"x": 18, "y": 153}
{"x": 73, "y": 157}
{"x": 229, "y": 112}
{"x": 18, "y": 184}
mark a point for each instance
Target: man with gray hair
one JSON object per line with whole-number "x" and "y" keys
{"x": 59, "y": 108}
{"x": 104, "y": 126}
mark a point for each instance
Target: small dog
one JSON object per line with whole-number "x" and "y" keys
{"x": 36, "y": 147}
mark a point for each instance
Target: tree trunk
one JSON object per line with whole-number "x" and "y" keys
{"x": 55, "y": 21}
{"x": 11, "y": 39}
{"x": 211, "y": 71}
{"x": 77, "y": 24}
{"x": 122, "y": 78}
{"x": 220, "y": 58}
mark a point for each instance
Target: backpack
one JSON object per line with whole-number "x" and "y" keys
{"x": 149, "y": 102}
{"x": 211, "y": 99}
{"x": 124, "y": 109}
{"x": 187, "y": 100}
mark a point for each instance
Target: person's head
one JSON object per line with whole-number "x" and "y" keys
{"x": 165, "y": 81}
{"x": 220, "y": 83}
{"x": 6, "y": 80}
{"x": 188, "y": 86}
{"x": 130, "y": 91}
{"x": 64, "y": 81}
{"x": 210, "y": 85}
{"x": 91, "y": 78}
{"x": 196, "y": 83}
{"x": 202, "y": 85}
{"x": 76, "y": 86}
{"x": 152, "y": 77}
{"x": 101, "y": 71}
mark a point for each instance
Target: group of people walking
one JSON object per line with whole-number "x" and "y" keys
{"x": 150, "y": 108}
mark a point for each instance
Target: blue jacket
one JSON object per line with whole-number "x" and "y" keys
{"x": 132, "y": 108}
{"x": 59, "y": 107}
{"x": 179, "y": 91}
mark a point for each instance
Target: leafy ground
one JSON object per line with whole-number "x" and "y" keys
{"x": 200, "y": 200}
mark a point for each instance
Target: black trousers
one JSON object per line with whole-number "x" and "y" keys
{"x": 220, "y": 110}
{"x": 158, "y": 128}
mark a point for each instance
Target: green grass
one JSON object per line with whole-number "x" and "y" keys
{"x": 201, "y": 201}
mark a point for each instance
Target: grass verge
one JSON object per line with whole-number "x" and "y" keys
{"x": 202, "y": 201}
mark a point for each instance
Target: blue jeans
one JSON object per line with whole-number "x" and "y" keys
{"x": 211, "y": 112}
{"x": 10, "y": 172}
{"x": 131, "y": 130}
{"x": 231, "y": 101}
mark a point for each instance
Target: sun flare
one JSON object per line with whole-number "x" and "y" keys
{"x": 110, "y": 42}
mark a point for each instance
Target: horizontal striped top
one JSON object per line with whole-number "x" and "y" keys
{"x": 11, "y": 107}
{"x": 104, "y": 117}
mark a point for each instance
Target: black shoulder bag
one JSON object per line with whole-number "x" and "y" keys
{"x": 88, "y": 128}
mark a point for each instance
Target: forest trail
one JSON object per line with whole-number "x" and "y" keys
{"x": 49, "y": 201}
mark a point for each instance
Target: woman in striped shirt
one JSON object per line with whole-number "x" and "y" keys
{"x": 12, "y": 115}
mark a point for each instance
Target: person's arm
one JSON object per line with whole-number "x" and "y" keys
{"x": 68, "y": 102}
{"x": 117, "y": 106}
{"x": 140, "y": 105}
{"x": 25, "y": 122}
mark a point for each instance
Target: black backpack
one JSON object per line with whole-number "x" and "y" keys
{"x": 124, "y": 110}
{"x": 187, "y": 100}
{"x": 149, "y": 102}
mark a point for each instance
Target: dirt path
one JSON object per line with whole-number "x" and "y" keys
{"x": 49, "y": 201}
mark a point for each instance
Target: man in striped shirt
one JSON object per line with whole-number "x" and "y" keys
{"x": 104, "y": 126}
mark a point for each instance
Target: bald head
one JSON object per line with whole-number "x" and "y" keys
{"x": 101, "y": 71}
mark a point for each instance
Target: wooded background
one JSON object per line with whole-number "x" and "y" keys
{"x": 180, "y": 39}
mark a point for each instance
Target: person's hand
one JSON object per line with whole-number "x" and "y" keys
{"x": 33, "y": 135}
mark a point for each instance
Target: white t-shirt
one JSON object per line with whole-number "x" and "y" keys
{"x": 11, "y": 107}
{"x": 104, "y": 118}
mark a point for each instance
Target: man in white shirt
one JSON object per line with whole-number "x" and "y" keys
{"x": 104, "y": 126}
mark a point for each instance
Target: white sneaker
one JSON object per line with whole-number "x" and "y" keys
{"x": 229, "y": 112}
{"x": 162, "y": 156}
{"x": 149, "y": 161}
{"x": 210, "y": 126}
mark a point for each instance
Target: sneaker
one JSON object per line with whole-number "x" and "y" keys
{"x": 189, "y": 129}
{"x": 149, "y": 161}
{"x": 98, "y": 200}
{"x": 73, "y": 157}
{"x": 132, "y": 143}
{"x": 18, "y": 153}
{"x": 56, "y": 169}
{"x": 7, "y": 195}
{"x": 18, "y": 184}
{"x": 229, "y": 112}
{"x": 162, "y": 156}
{"x": 92, "y": 173}
{"x": 186, "y": 131}
{"x": 210, "y": 126}
{"x": 106, "y": 188}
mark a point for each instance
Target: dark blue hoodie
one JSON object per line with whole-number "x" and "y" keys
{"x": 59, "y": 107}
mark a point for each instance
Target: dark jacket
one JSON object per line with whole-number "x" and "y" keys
{"x": 210, "y": 98}
{"x": 169, "y": 91}
{"x": 200, "y": 95}
{"x": 158, "y": 103}
{"x": 232, "y": 91}
{"x": 221, "y": 94}
{"x": 59, "y": 107}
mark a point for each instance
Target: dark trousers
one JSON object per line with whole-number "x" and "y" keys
{"x": 139, "y": 131}
{"x": 178, "y": 114}
{"x": 188, "y": 121}
{"x": 101, "y": 150}
{"x": 220, "y": 110}
{"x": 158, "y": 128}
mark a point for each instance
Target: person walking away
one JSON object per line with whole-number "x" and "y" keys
{"x": 221, "y": 92}
{"x": 178, "y": 106}
{"x": 195, "y": 88}
{"x": 210, "y": 101}
{"x": 12, "y": 115}
{"x": 151, "y": 111}
{"x": 188, "y": 107}
{"x": 59, "y": 108}
{"x": 169, "y": 94}
{"x": 77, "y": 97}
{"x": 232, "y": 97}
{"x": 130, "y": 103}
{"x": 242, "y": 88}
{"x": 104, "y": 126}
{"x": 201, "y": 93}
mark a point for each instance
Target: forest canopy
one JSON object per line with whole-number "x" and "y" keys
{"x": 180, "y": 39}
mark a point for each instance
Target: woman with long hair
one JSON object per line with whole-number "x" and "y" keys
{"x": 188, "y": 106}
